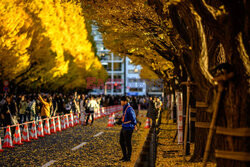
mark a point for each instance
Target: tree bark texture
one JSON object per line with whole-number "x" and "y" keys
{"x": 217, "y": 38}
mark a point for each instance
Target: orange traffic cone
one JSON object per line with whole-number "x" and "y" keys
{"x": 7, "y": 139}
{"x": 1, "y": 150}
{"x": 110, "y": 123}
{"x": 90, "y": 118}
{"x": 71, "y": 120}
{"x": 52, "y": 126}
{"x": 58, "y": 124}
{"x": 33, "y": 133}
{"x": 25, "y": 134}
{"x": 113, "y": 119}
{"x": 63, "y": 125}
{"x": 102, "y": 112}
{"x": 77, "y": 119}
{"x": 40, "y": 129}
{"x": 66, "y": 121}
{"x": 147, "y": 124}
{"x": 47, "y": 128}
{"x": 17, "y": 136}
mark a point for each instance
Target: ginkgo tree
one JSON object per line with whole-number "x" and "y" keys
{"x": 195, "y": 36}
{"x": 44, "y": 43}
{"x": 133, "y": 29}
{"x": 14, "y": 39}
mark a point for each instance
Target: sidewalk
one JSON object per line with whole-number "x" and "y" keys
{"x": 170, "y": 153}
{"x": 96, "y": 145}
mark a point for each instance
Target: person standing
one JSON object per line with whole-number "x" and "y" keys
{"x": 151, "y": 111}
{"x": 38, "y": 107}
{"x": 54, "y": 106}
{"x": 2, "y": 102}
{"x": 92, "y": 105}
{"x": 9, "y": 111}
{"x": 81, "y": 104}
{"x": 158, "y": 106}
{"x": 22, "y": 109}
{"x": 45, "y": 111}
{"x": 32, "y": 109}
{"x": 86, "y": 109}
{"x": 76, "y": 102}
{"x": 128, "y": 126}
{"x": 68, "y": 106}
{"x": 134, "y": 104}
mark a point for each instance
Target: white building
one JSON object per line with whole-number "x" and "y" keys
{"x": 123, "y": 75}
{"x": 135, "y": 86}
{"x": 113, "y": 64}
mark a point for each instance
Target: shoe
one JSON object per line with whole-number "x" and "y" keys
{"x": 123, "y": 159}
{"x": 127, "y": 160}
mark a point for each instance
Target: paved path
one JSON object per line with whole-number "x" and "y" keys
{"x": 94, "y": 145}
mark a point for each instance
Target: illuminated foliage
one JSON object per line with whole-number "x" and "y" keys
{"x": 44, "y": 44}
{"x": 14, "y": 39}
{"x": 133, "y": 29}
{"x": 195, "y": 36}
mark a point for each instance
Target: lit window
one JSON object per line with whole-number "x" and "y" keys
{"x": 117, "y": 66}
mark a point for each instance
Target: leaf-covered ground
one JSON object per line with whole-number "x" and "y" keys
{"x": 170, "y": 153}
{"x": 101, "y": 151}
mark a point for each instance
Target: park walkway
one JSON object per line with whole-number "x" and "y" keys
{"x": 96, "y": 145}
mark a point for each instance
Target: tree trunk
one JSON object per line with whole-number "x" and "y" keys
{"x": 234, "y": 110}
{"x": 201, "y": 134}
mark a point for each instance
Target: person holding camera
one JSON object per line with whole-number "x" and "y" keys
{"x": 128, "y": 126}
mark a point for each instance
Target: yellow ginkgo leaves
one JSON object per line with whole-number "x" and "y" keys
{"x": 44, "y": 42}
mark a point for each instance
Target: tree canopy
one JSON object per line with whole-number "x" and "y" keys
{"x": 44, "y": 43}
{"x": 192, "y": 37}
{"x": 132, "y": 28}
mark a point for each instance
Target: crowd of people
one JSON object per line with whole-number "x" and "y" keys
{"x": 17, "y": 109}
{"x": 31, "y": 107}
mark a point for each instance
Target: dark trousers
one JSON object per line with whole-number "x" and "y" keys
{"x": 87, "y": 120}
{"x": 125, "y": 142}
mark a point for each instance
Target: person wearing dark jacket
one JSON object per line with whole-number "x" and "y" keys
{"x": 128, "y": 126}
{"x": 151, "y": 112}
{"x": 9, "y": 110}
{"x": 134, "y": 104}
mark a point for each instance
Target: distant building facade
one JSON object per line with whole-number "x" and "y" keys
{"x": 123, "y": 76}
{"x": 113, "y": 64}
{"x": 135, "y": 86}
